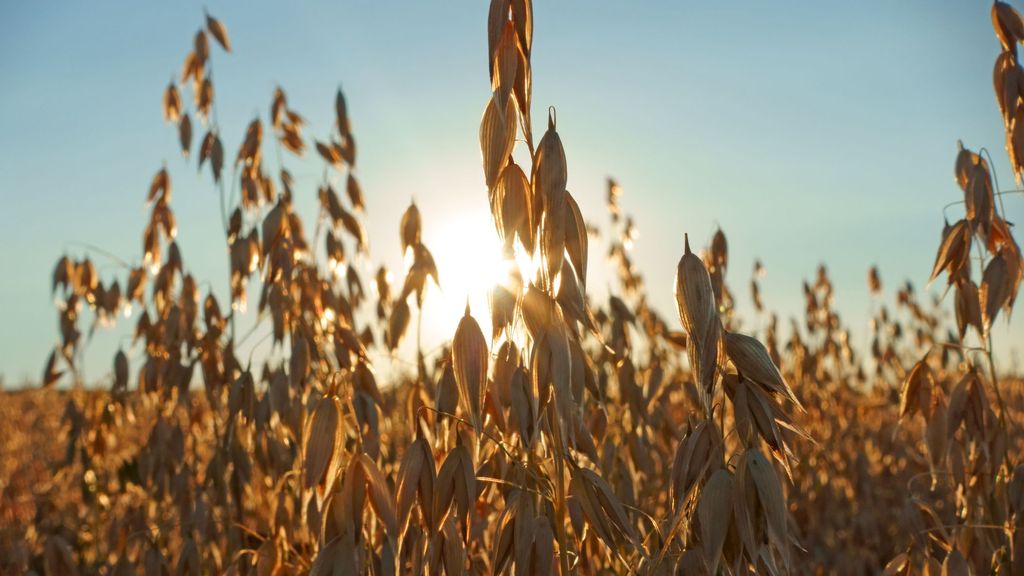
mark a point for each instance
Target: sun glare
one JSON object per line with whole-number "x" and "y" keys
{"x": 469, "y": 262}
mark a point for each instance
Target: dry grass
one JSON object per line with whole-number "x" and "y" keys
{"x": 590, "y": 437}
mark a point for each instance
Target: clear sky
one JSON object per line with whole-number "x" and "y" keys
{"x": 810, "y": 132}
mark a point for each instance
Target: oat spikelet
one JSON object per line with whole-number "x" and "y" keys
{"x": 219, "y": 32}
{"x": 695, "y": 300}
{"x": 469, "y": 360}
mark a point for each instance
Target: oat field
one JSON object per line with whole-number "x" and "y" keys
{"x": 576, "y": 436}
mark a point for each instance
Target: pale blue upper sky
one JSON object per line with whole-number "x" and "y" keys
{"x": 810, "y": 132}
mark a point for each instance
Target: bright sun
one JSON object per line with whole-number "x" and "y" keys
{"x": 468, "y": 256}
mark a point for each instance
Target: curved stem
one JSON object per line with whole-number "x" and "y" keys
{"x": 93, "y": 248}
{"x": 998, "y": 194}
{"x": 483, "y": 433}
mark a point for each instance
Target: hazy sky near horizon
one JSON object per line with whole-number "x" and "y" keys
{"x": 810, "y": 132}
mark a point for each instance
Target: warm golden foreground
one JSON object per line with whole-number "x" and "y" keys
{"x": 581, "y": 435}
{"x": 861, "y": 494}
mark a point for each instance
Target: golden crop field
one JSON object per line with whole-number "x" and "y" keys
{"x": 577, "y": 437}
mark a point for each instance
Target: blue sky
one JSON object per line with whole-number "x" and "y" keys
{"x": 810, "y": 132}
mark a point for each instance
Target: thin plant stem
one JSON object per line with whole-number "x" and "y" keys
{"x": 987, "y": 351}
{"x": 94, "y": 248}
